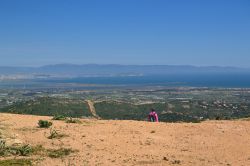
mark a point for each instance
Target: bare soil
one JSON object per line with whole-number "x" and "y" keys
{"x": 92, "y": 109}
{"x": 113, "y": 142}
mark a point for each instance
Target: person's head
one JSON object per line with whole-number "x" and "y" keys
{"x": 152, "y": 110}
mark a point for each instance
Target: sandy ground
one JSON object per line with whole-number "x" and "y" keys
{"x": 101, "y": 142}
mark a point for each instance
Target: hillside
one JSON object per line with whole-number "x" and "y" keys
{"x": 170, "y": 111}
{"x": 114, "y": 142}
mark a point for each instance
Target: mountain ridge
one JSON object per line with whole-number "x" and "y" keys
{"x": 118, "y": 70}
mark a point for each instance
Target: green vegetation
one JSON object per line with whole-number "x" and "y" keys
{"x": 38, "y": 150}
{"x": 16, "y": 162}
{"x": 23, "y": 150}
{"x": 44, "y": 124}
{"x": 27, "y": 150}
{"x": 173, "y": 111}
{"x": 3, "y": 148}
{"x": 50, "y": 106}
{"x": 127, "y": 111}
{"x": 172, "y": 104}
{"x": 55, "y": 134}
{"x": 176, "y": 162}
{"x": 59, "y": 153}
{"x": 59, "y": 117}
{"x": 72, "y": 120}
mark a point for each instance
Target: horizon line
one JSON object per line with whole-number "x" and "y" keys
{"x": 74, "y": 64}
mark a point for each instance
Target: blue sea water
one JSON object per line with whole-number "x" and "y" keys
{"x": 219, "y": 80}
{"x": 188, "y": 80}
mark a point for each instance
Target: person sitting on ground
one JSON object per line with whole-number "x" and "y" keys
{"x": 153, "y": 117}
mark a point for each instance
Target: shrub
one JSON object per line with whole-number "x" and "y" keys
{"x": 44, "y": 124}
{"x": 59, "y": 117}
{"x": 38, "y": 150}
{"x": 20, "y": 162}
{"x": 3, "y": 151}
{"x": 176, "y": 162}
{"x": 196, "y": 120}
{"x": 55, "y": 134}
{"x": 58, "y": 153}
{"x": 217, "y": 118}
{"x": 71, "y": 120}
{"x": 24, "y": 150}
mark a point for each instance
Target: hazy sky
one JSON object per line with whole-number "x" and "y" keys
{"x": 174, "y": 32}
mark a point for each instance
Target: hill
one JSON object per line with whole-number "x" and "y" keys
{"x": 114, "y": 110}
{"x": 114, "y": 142}
{"x": 71, "y": 70}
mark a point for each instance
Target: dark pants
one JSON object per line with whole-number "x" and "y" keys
{"x": 152, "y": 119}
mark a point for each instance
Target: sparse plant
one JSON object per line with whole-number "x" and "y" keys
{"x": 39, "y": 149}
{"x": 2, "y": 148}
{"x": 195, "y": 120}
{"x": 218, "y": 118}
{"x": 44, "y": 124}
{"x": 12, "y": 162}
{"x": 59, "y": 117}
{"x": 71, "y": 120}
{"x": 59, "y": 153}
{"x": 24, "y": 150}
{"x": 176, "y": 162}
{"x": 55, "y": 134}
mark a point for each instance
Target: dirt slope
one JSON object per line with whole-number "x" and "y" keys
{"x": 102, "y": 142}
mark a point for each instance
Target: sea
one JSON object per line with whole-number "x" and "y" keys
{"x": 191, "y": 80}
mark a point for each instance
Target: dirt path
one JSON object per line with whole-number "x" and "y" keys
{"x": 92, "y": 109}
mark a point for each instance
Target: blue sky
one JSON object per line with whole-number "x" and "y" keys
{"x": 174, "y": 32}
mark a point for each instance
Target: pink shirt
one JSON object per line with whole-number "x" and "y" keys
{"x": 154, "y": 114}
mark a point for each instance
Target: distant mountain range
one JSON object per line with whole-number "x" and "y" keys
{"x": 90, "y": 70}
